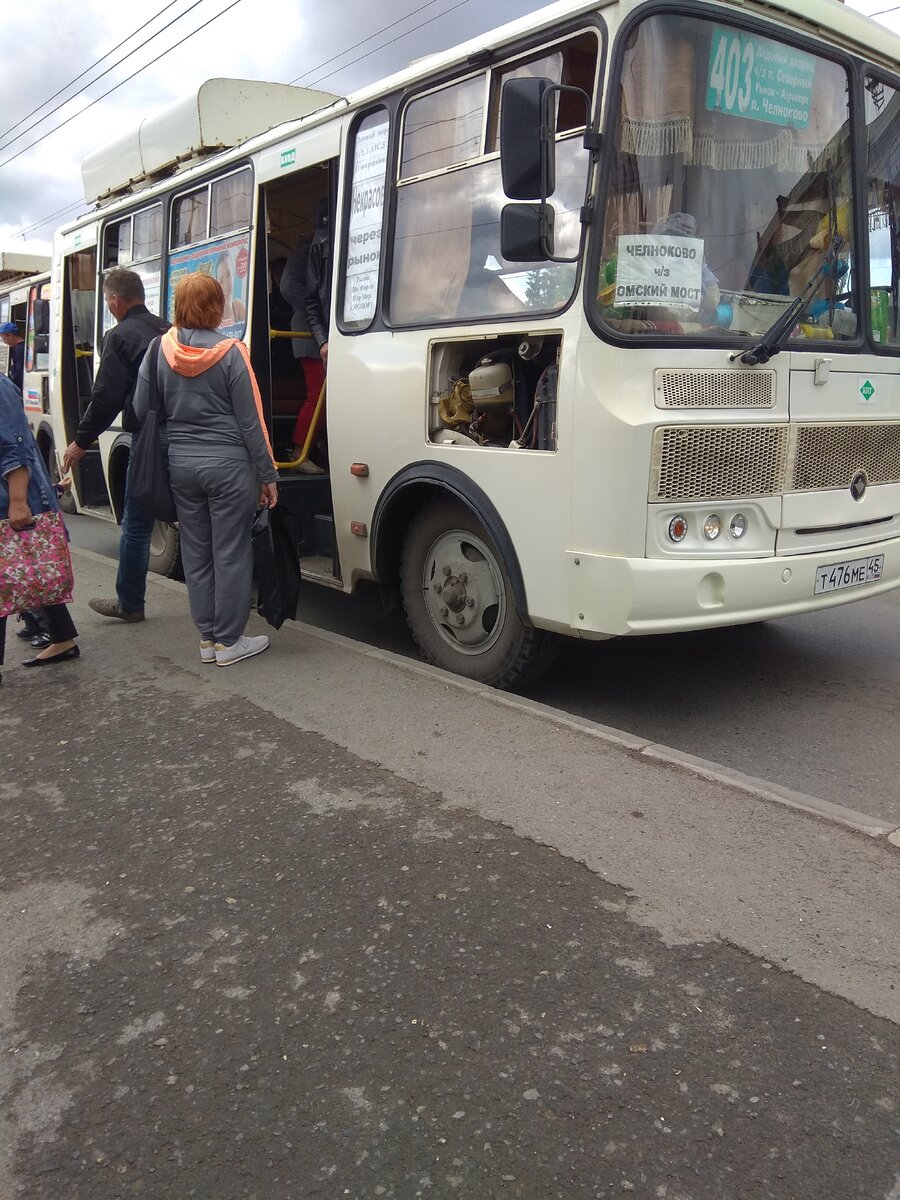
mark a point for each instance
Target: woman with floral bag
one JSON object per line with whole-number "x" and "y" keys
{"x": 26, "y": 491}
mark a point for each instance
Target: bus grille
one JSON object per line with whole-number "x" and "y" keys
{"x": 718, "y": 462}
{"x": 705, "y": 462}
{"x": 828, "y": 456}
{"x": 715, "y": 389}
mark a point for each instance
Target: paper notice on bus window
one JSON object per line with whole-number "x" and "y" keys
{"x": 658, "y": 269}
{"x": 366, "y": 217}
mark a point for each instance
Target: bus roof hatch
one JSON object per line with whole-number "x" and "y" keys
{"x": 14, "y": 266}
{"x": 221, "y": 114}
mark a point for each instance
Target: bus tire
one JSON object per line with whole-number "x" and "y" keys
{"x": 460, "y": 604}
{"x": 165, "y": 551}
{"x": 66, "y": 499}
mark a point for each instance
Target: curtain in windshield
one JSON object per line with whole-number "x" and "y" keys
{"x": 731, "y": 186}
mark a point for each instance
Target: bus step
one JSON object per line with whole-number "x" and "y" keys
{"x": 99, "y": 510}
{"x": 319, "y": 568}
{"x": 323, "y": 538}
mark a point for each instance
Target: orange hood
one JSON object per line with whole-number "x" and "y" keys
{"x": 192, "y": 361}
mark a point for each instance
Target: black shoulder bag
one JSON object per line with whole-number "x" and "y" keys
{"x": 155, "y": 326}
{"x": 148, "y": 468}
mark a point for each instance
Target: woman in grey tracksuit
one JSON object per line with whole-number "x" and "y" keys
{"x": 220, "y": 464}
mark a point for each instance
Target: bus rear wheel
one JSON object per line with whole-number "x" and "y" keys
{"x": 459, "y": 601}
{"x": 165, "y": 551}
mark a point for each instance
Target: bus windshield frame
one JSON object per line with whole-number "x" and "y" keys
{"x": 730, "y": 169}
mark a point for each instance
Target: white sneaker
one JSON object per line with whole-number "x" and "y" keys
{"x": 208, "y": 651}
{"x": 244, "y": 647}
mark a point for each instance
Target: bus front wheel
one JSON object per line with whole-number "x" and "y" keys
{"x": 165, "y": 551}
{"x": 459, "y": 601}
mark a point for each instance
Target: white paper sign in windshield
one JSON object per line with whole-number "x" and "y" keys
{"x": 658, "y": 269}
{"x": 366, "y": 217}
{"x": 758, "y": 78}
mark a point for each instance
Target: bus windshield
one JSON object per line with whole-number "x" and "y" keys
{"x": 731, "y": 182}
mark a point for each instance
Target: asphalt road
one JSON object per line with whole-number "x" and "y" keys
{"x": 320, "y": 926}
{"x": 810, "y": 703}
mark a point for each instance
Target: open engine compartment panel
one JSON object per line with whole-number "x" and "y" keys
{"x": 495, "y": 391}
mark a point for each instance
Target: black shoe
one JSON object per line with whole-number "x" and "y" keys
{"x": 31, "y": 627}
{"x": 65, "y": 656}
{"x": 40, "y": 640}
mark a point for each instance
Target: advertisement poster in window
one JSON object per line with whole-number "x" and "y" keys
{"x": 227, "y": 261}
{"x": 366, "y": 218}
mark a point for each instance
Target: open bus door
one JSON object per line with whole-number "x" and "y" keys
{"x": 287, "y": 209}
{"x": 79, "y": 302}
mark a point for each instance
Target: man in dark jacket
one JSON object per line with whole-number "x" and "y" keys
{"x": 121, "y": 355}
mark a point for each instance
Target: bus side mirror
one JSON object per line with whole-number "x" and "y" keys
{"x": 527, "y": 144}
{"x": 526, "y": 232}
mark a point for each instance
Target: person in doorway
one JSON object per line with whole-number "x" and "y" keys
{"x": 317, "y": 311}
{"x": 295, "y": 289}
{"x": 10, "y": 336}
{"x": 26, "y": 490}
{"x": 120, "y": 358}
{"x": 220, "y": 464}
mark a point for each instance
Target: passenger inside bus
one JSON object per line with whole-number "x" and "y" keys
{"x": 296, "y": 215}
{"x": 316, "y": 307}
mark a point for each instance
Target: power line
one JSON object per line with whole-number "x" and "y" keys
{"x": 65, "y": 86}
{"x": 60, "y": 212}
{"x": 96, "y": 79}
{"x": 377, "y": 33}
{"x": 384, "y": 45}
{"x": 127, "y": 79}
{"x": 44, "y": 221}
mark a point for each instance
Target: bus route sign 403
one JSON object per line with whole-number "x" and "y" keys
{"x": 849, "y": 574}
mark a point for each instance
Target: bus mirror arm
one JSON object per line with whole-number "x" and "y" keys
{"x": 548, "y": 163}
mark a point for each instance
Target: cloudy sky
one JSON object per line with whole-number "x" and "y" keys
{"x": 87, "y": 50}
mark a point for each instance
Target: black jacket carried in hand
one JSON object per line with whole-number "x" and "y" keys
{"x": 123, "y": 352}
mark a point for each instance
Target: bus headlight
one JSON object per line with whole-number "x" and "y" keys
{"x": 738, "y": 526}
{"x": 678, "y": 528}
{"x": 712, "y": 527}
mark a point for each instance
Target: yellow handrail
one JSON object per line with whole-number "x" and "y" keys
{"x": 310, "y": 434}
{"x": 288, "y": 333}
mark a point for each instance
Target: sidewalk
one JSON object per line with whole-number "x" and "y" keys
{"x": 326, "y": 924}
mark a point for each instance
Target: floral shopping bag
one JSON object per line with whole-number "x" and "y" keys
{"x": 35, "y": 565}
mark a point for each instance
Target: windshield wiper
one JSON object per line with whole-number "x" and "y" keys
{"x": 777, "y": 334}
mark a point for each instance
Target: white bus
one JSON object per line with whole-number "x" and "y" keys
{"x": 614, "y": 342}
{"x": 25, "y": 300}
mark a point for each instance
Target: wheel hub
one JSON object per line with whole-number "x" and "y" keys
{"x": 463, "y": 592}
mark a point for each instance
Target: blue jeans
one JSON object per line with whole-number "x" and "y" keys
{"x": 134, "y": 554}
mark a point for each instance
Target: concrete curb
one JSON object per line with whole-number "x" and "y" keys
{"x": 760, "y": 789}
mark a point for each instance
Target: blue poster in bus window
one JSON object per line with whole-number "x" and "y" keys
{"x": 227, "y": 260}
{"x": 760, "y": 79}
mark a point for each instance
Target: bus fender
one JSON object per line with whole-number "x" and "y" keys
{"x": 117, "y": 467}
{"x": 413, "y": 486}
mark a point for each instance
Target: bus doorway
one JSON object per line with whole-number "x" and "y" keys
{"x": 77, "y": 373}
{"x": 293, "y": 366}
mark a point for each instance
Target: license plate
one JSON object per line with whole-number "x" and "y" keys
{"x": 849, "y": 574}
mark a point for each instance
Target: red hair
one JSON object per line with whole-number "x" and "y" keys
{"x": 199, "y": 302}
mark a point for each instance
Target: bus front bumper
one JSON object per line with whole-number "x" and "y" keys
{"x": 618, "y": 597}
